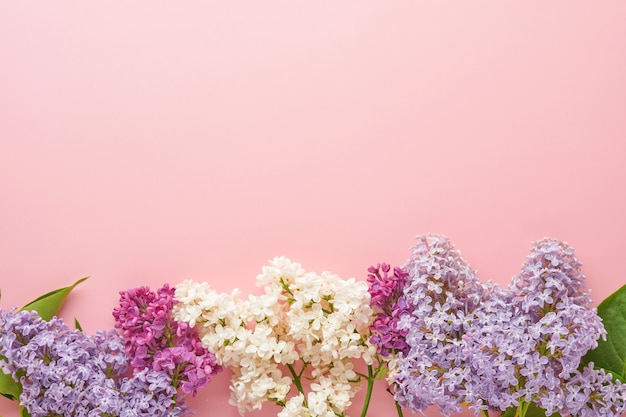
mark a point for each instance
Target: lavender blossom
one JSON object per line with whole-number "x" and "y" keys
{"x": 66, "y": 372}
{"x": 552, "y": 327}
{"x": 541, "y": 327}
{"x": 442, "y": 294}
{"x": 476, "y": 344}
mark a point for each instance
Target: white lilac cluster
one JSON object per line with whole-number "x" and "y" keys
{"x": 475, "y": 344}
{"x": 304, "y": 327}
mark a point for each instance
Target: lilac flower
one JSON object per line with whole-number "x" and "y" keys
{"x": 154, "y": 340}
{"x": 542, "y": 325}
{"x": 148, "y": 393}
{"x": 65, "y": 372}
{"x": 387, "y": 300}
{"x": 551, "y": 277}
{"x": 473, "y": 343}
{"x": 440, "y": 297}
{"x": 552, "y": 327}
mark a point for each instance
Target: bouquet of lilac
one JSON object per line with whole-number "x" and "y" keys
{"x": 452, "y": 341}
{"x": 441, "y": 336}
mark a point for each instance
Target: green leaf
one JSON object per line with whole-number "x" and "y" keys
{"x": 48, "y": 305}
{"x": 533, "y": 411}
{"x": 77, "y": 324}
{"x": 9, "y": 387}
{"x": 509, "y": 412}
{"x": 611, "y": 353}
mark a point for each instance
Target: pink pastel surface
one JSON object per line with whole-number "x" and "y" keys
{"x": 149, "y": 142}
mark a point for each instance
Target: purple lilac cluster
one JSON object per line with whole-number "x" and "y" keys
{"x": 386, "y": 290}
{"x": 154, "y": 340}
{"x": 551, "y": 327}
{"x": 443, "y": 294}
{"x": 65, "y": 372}
{"x": 476, "y": 344}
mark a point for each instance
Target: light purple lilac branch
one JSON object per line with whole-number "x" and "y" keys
{"x": 65, "y": 372}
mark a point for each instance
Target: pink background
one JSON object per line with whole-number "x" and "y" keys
{"x": 147, "y": 142}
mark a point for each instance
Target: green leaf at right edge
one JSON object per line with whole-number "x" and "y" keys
{"x": 611, "y": 353}
{"x": 48, "y": 305}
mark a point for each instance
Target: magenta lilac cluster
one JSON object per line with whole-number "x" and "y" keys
{"x": 386, "y": 290}
{"x": 473, "y": 343}
{"x": 154, "y": 340}
{"x": 65, "y": 372}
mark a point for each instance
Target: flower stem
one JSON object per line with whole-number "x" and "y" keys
{"x": 399, "y": 409}
{"x": 296, "y": 380}
{"x": 522, "y": 409}
{"x": 370, "y": 387}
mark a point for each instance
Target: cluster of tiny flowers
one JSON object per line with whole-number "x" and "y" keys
{"x": 537, "y": 332}
{"x": 389, "y": 305}
{"x": 304, "y": 326}
{"x": 442, "y": 296}
{"x": 65, "y": 372}
{"x": 471, "y": 343}
{"x": 154, "y": 340}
